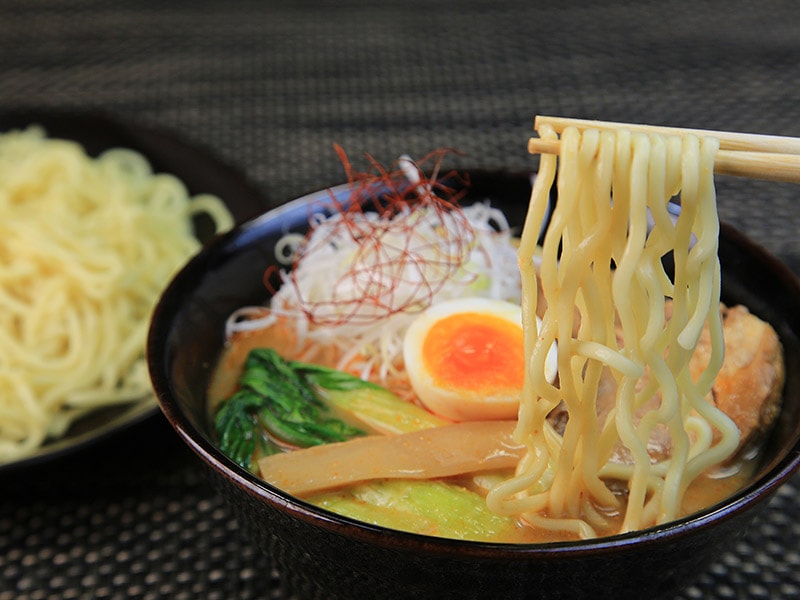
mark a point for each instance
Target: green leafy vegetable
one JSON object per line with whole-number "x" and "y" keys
{"x": 277, "y": 401}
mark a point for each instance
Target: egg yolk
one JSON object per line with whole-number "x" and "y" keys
{"x": 477, "y": 352}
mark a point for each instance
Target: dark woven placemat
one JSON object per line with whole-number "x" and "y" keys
{"x": 270, "y": 87}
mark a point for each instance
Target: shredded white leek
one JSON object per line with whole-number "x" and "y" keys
{"x": 486, "y": 267}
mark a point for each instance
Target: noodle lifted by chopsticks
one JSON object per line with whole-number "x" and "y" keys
{"x": 600, "y": 268}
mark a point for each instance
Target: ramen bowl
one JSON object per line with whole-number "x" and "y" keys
{"x": 323, "y": 555}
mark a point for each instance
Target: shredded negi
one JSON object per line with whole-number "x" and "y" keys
{"x": 361, "y": 275}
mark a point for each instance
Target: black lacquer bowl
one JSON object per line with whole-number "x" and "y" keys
{"x": 322, "y": 555}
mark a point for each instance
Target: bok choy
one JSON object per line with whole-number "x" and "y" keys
{"x": 275, "y": 404}
{"x": 280, "y": 403}
{"x": 434, "y": 508}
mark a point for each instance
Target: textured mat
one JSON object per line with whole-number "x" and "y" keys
{"x": 270, "y": 87}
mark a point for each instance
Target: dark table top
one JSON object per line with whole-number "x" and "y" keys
{"x": 270, "y": 87}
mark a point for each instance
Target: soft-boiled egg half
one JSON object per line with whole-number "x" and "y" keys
{"x": 465, "y": 359}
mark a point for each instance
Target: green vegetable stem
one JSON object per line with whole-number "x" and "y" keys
{"x": 429, "y": 507}
{"x": 368, "y": 403}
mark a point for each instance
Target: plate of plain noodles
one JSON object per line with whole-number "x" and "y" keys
{"x": 98, "y": 214}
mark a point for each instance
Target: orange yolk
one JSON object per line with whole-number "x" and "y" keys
{"x": 476, "y": 352}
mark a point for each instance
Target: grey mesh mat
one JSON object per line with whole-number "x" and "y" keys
{"x": 270, "y": 87}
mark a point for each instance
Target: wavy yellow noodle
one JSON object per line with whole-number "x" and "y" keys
{"x": 86, "y": 246}
{"x": 601, "y": 269}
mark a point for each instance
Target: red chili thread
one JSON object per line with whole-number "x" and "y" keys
{"x": 390, "y": 194}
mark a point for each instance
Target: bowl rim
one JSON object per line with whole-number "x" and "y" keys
{"x": 755, "y": 493}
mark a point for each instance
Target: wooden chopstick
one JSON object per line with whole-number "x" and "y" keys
{"x": 728, "y": 140}
{"x": 768, "y": 157}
